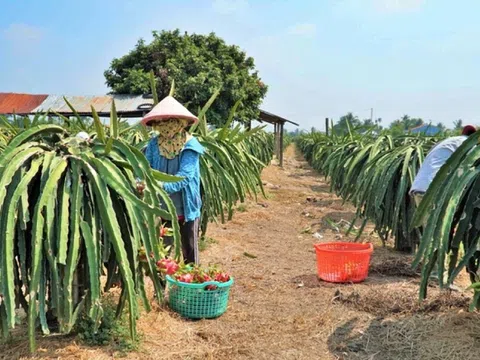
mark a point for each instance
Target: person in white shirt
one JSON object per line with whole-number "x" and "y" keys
{"x": 435, "y": 160}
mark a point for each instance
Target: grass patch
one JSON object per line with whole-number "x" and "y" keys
{"x": 112, "y": 331}
{"x": 205, "y": 242}
{"x": 242, "y": 208}
{"x": 307, "y": 230}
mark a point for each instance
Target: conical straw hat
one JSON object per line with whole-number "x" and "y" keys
{"x": 168, "y": 108}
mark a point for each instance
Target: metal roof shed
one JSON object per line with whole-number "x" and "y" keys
{"x": 278, "y": 122}
{"x": 128, "y": 106}
{"x": 426, "y": 129}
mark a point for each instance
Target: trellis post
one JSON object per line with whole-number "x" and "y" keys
{"x": 280, "y": 147}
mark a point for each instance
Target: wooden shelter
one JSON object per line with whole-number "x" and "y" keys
{"x": 278, "y": 123}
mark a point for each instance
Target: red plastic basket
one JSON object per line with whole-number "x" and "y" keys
{"x": 341, "y": 262}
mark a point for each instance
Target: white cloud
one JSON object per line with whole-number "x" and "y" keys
{"x": 23, "y": 37}
{"x": 303, "y": 29}
{"x": 229, "y": 6}
{"x": 395, "y": 6}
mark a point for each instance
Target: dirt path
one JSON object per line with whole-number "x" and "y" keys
{"x": 278, "y": 308}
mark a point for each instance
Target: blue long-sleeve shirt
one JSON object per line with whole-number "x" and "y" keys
{"x": 185, "y": 193}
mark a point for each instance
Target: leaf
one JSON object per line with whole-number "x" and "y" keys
{"x": 92, "y": 254}
{"x": 225, "y": 128}
{"x": 63, "y": 219}
{"x": 5, "y": 123}
{"x": 159, "y": 176}
{"x": 98, "y": 126}
{"x": 109, "y": 146}
{"x": 112, "y": 228}
{"x": 73, "y": 247}
{"x": 153, "y": 87}
{"x": 27, "y": 135}
{"x": 172, "y": 88}
{"x": 115, "y": 179}
{"x": 8, "y": 228}
{"x": 113, "y": 121}
{"x": 37, "y": 235}
{"x": 202, "y": 122}
{"x": 80, "y": 121}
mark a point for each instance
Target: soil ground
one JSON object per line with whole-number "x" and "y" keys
{"x": 280, "y": 310}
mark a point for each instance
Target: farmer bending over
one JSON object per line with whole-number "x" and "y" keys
{"x": 435, "y": 160}
{"x": 174, "y": 151}
{"x": 432, "y": 163}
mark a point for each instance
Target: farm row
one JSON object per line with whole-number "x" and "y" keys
{"x": 375, "y": 174}
{"x": 74, "y": 210}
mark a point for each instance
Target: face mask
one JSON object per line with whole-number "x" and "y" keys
{"x": 171, "y": 136}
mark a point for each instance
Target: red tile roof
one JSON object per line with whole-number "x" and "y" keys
{"x": 19, "y": 103}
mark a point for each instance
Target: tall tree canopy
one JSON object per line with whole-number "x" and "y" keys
{"x": 356, "y": 124}
{"x": 199, "y": 64}
{"x": 341, "y": 127}
{"x": 458, "y": 124}
{"x": 404, "y": 124}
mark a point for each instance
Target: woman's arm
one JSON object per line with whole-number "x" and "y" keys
{"x": 188, "y": 166}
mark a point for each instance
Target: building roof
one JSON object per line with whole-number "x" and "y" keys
{"x": 427, "y": 129}
{"x": 11, "y": 103}
{"x": 24, "y": 104}
{"x": 133, "y": 106}
{"x": 273, "y": 119}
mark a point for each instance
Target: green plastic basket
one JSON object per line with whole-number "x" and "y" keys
{"x": 193, "y": 301}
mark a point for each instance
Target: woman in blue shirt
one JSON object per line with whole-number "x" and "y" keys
{"x": 174, "y": 151}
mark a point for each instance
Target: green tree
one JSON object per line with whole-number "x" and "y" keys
{"x": 404, "y": 124}
{"x": 441, "y": 126}
{"x": 371, "y": 125}
{"x": 199, "y": 64}
{"x": 341, "y": 127}
{"x": 458, "y": 124}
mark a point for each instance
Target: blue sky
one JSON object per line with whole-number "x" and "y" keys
{"x": 320, "y": 58}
